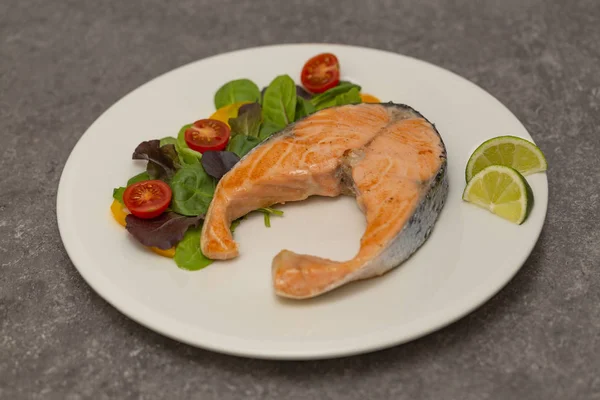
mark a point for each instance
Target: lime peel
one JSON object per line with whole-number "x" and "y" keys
{"x": 501, "y": 190}
{"x": 510, "y": 151}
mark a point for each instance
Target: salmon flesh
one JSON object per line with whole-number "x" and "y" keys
{"x": 386, "y": 155}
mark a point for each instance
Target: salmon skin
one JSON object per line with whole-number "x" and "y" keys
{"x": 388, "y": 156}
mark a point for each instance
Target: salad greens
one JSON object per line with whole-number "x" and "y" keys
{"x": 352, "y": 96}
{"x": 193, "y": 190}
{"x": 279, "y": 103}
{"x": 330, "y": 97}
{"x": 241, "y": 144}
{"x": 218, "y": 163}
{"x": 142, "y": 176}
{"x": 188, "y": 254}
{"x": 245, "y": 129}
{"x": 237, "y": 91}
{"x": 118, "y": 194}
{"x": 267, "y": 129}
{"x": 168, "y": 140}
{"x": 303, "y": 108}
{"x": 187, "y": 156}
{"x": 164, "y": 231}
{"x": 248, "y": 121}
{"x": 162, "y": 161}
{"x": 193, "y": 176}
{"x": 300, "y": 92}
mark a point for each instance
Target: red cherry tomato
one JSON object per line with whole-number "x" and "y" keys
{"x": 320, "y": 73}
{"x": 147, "y": 199}
{"x": 207, "y": 134}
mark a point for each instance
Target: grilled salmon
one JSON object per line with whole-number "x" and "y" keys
{"x": 386, "y": 155}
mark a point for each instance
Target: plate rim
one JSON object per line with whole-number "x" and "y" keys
{"x": 433, "y": 321}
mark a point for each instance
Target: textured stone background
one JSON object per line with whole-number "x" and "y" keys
{"x": 62, "y": 63}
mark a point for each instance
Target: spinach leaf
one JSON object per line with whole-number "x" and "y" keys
{"x": 188, "y": 254}
{"x": 300, "y": 92}
{"x": 350, "y": 97}
{"x": 143, "y": 176}
{"x": 164, "y": 231}
{"x": 218, "y": 163}
{"x": 187, "y": 156}
{"x": 162, "y": 161}
{"x": 236, "y": 91}
{"x": 279, "y": 104}
{"x": 267, "y": 129}
{"x": 168, "y": 140}
{"x": 118, "y": 194}
{"x": 327, "y": 98}
{"x": 248, "y": 121}
{"x": 303, "y": 108}
{"x": 193, "y": 189}
{"x": 241, "y": 144}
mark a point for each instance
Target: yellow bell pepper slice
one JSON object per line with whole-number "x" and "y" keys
{"x": 230, "y": 111}
{"x": 367, "y": 98}
{"x": 119, "y": 212}
{"x": 170, "y": 253}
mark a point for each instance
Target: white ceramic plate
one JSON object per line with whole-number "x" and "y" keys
{"x": 230, "y": 306}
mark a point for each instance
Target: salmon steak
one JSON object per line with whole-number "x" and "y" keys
{"x": 388, "y": 156}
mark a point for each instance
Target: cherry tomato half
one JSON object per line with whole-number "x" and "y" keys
{"x": 320, "y": 73}
{"x": 147, "y": 199}
{"x": 207, "y": 134}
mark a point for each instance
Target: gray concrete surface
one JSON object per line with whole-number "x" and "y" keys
{"x": 62, "y": 63}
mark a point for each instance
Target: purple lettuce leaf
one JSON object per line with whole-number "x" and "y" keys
{"x": 163, "y": 161}
{"x": 248, "y": 120}
{"x": 218, "y": 163}
{"x": 164, "y": 231}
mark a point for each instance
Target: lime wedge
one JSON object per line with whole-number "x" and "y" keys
{"x": 509, "y": 151}
{"x": 501, "y": 190}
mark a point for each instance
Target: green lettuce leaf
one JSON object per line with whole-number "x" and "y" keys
{"x": 142, "y": 176}
{"x": 241, "y": 144}
{"x": 193, "y": 190}
{"x": 350, "y": 97}
{"x": 279, "y": 102}
{"x": 187, "y": 156}
{"x": 118, "y": 194}
{"x": 236, "y": 91}
{"x": 267, "y": 129}
{"x": 328, "y": 98}
{"x": 303, "y": 108}
{"x": 168, "y": 140}
{"x": 188, "y": 254}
